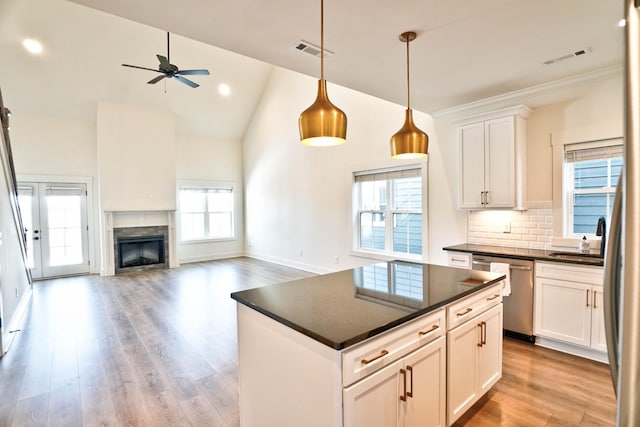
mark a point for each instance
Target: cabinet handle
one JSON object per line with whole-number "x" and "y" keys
{"x": 594, "y": 299}
{"x": 433, "y": 328}
{"x": 493, "y": 297}
{"x": 382, "y": 354}
{"x": 486, "y": 198}
{"x": 403, "y": 396}
{"x": 467, "y": 311}
{"x": 410, "y": 369}
{"x": 480, "y": 339}
{"x": 453, "y": 259}
{"x": 482, "y": 198}
{"x": 484, "y": 333}
{"x": 587, "y": 297}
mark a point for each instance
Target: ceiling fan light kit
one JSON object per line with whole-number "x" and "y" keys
{"x": 168, "y": 70}
{"x": 409, "y": 142}
{"x": 322, "y": 124}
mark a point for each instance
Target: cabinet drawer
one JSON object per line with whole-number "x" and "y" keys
{"x": 459, "y": 259}
{"x": 461, "y": 311}
{"x": 586, "y": 274}
{"x": 378, "y": 352}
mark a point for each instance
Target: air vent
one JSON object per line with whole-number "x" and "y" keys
{"x": 311, "y": 49}
{"x": 579, "y": 52}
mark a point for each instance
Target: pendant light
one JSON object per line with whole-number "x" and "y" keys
{"x": 322, "y": 124}
{"x": 409, "y": 142}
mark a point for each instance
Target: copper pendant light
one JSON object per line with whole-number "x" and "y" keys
{"x": 322, "y": 124}
{"x": 409, "y": 142}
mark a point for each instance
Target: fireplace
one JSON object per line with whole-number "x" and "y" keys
{"x": 140, "y": 248}
{"x": 139, "y": 251}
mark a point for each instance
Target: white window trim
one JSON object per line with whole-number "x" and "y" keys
{"x": 355, "y": 230}
{"x": 561, "y": 238}
{"x": 180, "y": 184}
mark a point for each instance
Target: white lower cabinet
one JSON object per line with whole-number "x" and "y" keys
{"x": 408, "y": 392}
{"x": 474, "y": 362}
{"x": 568, "y": 308}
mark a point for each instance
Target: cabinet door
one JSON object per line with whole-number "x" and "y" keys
{"x": 598, "y": 338}
{"x": 427, "y": 367}
{"x": 471, "y": 148}
{"x": 462, "y": 367}
{"x": 563, "y": 310}
{"x": 374, "y": 401}
{"x": 490, "y": 353}
{"x": 499, "y": 162}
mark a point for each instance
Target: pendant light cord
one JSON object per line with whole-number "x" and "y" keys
{"x": 408, "y": 83}
{"x": 321, "y": 39}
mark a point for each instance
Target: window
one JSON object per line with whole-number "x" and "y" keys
{"x": 388, "y": 206}
{"x": 591, "y": 172}
{"x": 396, "y": 281}
{"x": 206, "y": 212}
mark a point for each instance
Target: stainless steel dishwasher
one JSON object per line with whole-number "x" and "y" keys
{"x": 518, "y": 307}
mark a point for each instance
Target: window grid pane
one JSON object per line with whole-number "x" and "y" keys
{"x": 206, "y": 213}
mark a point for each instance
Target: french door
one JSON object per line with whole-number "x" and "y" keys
{"x": 55, "y": 218}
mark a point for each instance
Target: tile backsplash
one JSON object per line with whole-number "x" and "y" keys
{"x": 530, "y": 229}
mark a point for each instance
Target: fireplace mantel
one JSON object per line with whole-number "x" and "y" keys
{"x": 121, "y": 219}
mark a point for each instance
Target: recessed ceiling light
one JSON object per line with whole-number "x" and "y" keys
{"x": 33, "y": 46}
{"x": 224, "y": 89}
{"x": 622, "y": 22}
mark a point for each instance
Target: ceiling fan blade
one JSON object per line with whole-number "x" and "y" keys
{"x": 141, "y": 68}
{"x": 164, "y": 62}
{"x": 186, "y": 81}
{"x": 156, "y": 79}
{"x": 193, "y": 72}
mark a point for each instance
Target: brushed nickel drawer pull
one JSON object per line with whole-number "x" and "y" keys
{"x": 433, "y": 328}
{"x": 493, "y": 297}
{"x": 382, "y": 354}
{"x": 403, "y": 396}
{"x": 467, "y": 311}
{"x": 458, "y": 260}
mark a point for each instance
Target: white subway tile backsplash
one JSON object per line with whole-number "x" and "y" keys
{"x": 530, "y": 229}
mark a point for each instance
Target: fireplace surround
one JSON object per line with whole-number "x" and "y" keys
{"x": 140, "y": 248}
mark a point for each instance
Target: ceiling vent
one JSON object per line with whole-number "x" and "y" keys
{"x": 579, "y": 52}
{"x": 311, "y": 49}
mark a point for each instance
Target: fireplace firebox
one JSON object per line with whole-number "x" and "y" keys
{"x": 140, "y": 251}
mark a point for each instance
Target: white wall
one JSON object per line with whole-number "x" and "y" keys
{"x": 203, "y": 160}
{"x": 298, "y": 198}
{"x": 136, "y": 158}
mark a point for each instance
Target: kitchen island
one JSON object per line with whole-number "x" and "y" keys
{"x": 380, "y": 344}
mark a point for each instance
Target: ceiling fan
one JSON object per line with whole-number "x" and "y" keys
{"x": 168, "y": 70}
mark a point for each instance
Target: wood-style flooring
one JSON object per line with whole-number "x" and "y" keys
{"x": 159, "y": 349}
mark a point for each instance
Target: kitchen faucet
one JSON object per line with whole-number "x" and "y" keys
{"x": 601, "y": 230}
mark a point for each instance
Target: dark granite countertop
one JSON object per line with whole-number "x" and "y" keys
{"x": 528, "y": 254}
{"x": 341, "y": 309}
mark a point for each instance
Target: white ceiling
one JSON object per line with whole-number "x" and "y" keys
{"x": 465, "y": 51}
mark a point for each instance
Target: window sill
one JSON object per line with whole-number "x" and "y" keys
{"x": 379, "y": 256}
{"x": 202, "y": 241}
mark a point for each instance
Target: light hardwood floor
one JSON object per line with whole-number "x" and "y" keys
{"x": 159, "y": 349}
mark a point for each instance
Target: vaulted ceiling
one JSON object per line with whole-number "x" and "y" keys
{"x": 465, "y": 51}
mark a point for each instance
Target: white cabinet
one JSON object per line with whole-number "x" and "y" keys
{"x": 474, "y": 349}
{"x": 568, "y": 307}
{"x": 459, "y": 259}
{"x": 408, "y": 392}
{"x": 474, "y": 360}
{"x": 399, "y": 378}
{"x": 493, "y": 160}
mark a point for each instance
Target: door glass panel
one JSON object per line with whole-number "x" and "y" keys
{"x": 63, "y": 216}
{"x": 25, "y": 200}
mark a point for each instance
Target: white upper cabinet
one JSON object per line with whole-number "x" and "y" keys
{"x": 493, "y": 160}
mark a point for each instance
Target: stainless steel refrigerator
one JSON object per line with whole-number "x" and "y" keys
{"x": 622, "y": 264}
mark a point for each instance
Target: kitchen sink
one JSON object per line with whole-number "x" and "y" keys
{"x": 576, "y": 256}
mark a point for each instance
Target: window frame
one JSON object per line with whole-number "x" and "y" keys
{"x": 207, "y": 185}
{"x": 389, "y": 255}
{"x": 569, "y": 192}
